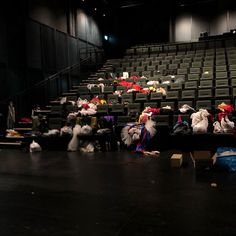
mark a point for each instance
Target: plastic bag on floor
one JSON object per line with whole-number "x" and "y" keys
{"x": 226, "y": 158}
{"x": 35, "y": 147}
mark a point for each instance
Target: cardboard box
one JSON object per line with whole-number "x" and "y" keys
{"x": 202, "y": 155}
{"x": 176, "y": 160}
{"x": 201, "y": 159}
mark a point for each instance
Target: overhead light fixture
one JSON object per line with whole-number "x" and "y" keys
{"x": 132, "y": 5}
{"x": 95, "y": 9}
{"x": 103, "y": 14}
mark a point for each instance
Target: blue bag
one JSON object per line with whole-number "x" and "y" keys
{"x": 226, "y": 158}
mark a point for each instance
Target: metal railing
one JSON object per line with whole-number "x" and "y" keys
{"x": 50, "y": 88}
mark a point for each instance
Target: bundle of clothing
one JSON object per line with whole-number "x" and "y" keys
{"x": 86, "y": 108}
{"x": 185, "y": 108}
{"x": 87, "y": 126}
{"x": 181, "y": 126}
{"x": 223, "y": 123}
{"x": 200, "y": 121}
{"x": 76, "y": 144}
{"x": 100, "y": 85}
{"x": 147, "y": 113}
{"x": 137, "y": 136}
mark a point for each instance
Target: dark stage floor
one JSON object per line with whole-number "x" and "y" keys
{"x": 112, "y": 193}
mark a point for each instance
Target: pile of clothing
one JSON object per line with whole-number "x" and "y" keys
{"x": 223, "y": 123}
{"x": 137, "y": 135}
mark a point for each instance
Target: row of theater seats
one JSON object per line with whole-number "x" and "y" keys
{"x": 136, "y": 102}
{"x": 130, "y": 112}
{"x": 167, "y": 58}
{"x": 182, "y": 54}
{"x": 197, "y": 65}
{"x": 150, "y": 49}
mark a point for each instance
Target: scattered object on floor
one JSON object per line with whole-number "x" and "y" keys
{"x": 214, "y": 185}
{"x": 35, "y": 147}
{"x": 202, "y": 159}
{"x": 225, "y": 158}
{"x": 176, "y": 160}
{"x": 151, "y": 153}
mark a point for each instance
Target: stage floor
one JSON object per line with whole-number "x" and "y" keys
{"x": 111, "y": 193}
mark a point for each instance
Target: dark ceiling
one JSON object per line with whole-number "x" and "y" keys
{"x": 119, "y": 4}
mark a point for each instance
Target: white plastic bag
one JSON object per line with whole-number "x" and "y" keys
{"x": 200, "y": 121}
{"x": 74, "y": 143}
{"x": 35, "y": 147}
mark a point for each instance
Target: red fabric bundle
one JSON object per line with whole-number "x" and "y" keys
{"x": 85, "y": 106}
{"x": 125, "y": 84}
{"x": 137, "y": 87}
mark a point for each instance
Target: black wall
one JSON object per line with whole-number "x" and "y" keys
{"x": 148, "y": 23}
{"x": 30, "y": 51}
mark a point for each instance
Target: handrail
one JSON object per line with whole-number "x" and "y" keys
{"x": 48, "y": 79}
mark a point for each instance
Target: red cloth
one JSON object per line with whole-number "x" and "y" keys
{"x": 134, "y": 78}
{"x": 95, "y": 100}
{"x": 137, "y": 87}
{"x": 125, "y": 84}
{"x": 147, "y": 91}
{"x": 227, "y": 109}
{"x": 85, "y": 106}
{"x": 25, "y": 120}
{"x": 153, "y": 110}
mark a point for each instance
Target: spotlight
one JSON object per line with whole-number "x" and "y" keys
{"x": 104, "y": 14}
{"x": 95, "y": 9}
{"x": 106, "y": 37}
